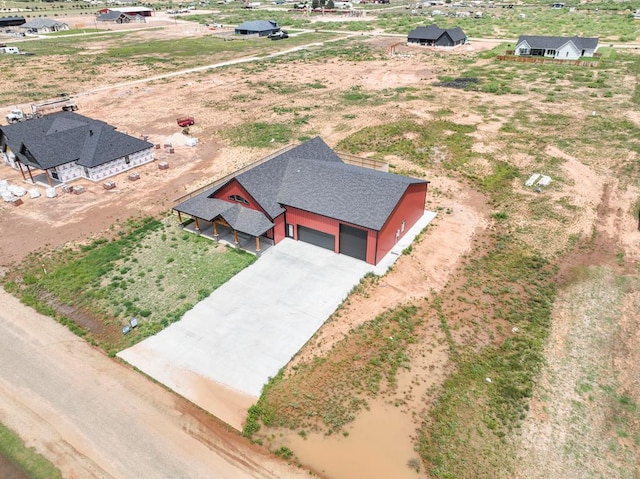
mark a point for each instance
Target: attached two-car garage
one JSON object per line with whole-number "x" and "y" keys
{"x": 353, "y": 241}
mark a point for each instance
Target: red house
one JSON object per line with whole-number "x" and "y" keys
{"x": 309, "y": 194}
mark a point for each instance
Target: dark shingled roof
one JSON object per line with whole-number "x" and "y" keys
{"x": 257, "y": 25}
{"x": 433, "y": 32}
{"x": 247, "y": 220}
{"x": 65, "y": 136}
{"x": 553, "y": 43}
{"x": 265, "y": 181}
{"x": 38, "y": 23}
{"x": 312, "y": 177}
{"x": 239, "y": 218}
{"x": 353, "y": 194}
{"x": 114, "y": 15}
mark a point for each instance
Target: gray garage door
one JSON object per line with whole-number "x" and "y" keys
{"x": 318, "y": 238}
{"x": 353, "y": 242}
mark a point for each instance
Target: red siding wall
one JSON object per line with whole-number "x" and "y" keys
{"x": 311, "y": 220}
{"x": 278, "y": 229}
{"x": 410, "y": 208}
{"x": 235, "y": 188}
{"x": 329, "y": 225}
{"x": 372, "y": 242}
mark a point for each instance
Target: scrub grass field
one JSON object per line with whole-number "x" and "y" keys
{"x": 22, "y": 460}
{"x": 150, "y": 269}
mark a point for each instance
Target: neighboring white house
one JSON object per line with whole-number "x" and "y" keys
{"x": 560, "y": 48}
{"x": 68, "y": 146}
{"x": 43, "y": 25}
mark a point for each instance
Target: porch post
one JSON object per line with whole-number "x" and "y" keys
{"x": 21, "y": 170}
{"x": 235, "y": 237}
{"x": 49, "y": 178}
{"x": 197, "y": 224}
{"x": 215, "y": 229}
{"x": 30, "y": 175}
{"x": 179, "y": 218}
{"x": 257, "y": 244}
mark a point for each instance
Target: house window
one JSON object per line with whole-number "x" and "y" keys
{"x": 537, "y": 52}
{"x": 127, "y": 160}
{"x": 525, "y": 51}
{"x": 238, "y": 199}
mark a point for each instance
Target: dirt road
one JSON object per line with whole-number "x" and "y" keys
{"x": 93, "y": 417}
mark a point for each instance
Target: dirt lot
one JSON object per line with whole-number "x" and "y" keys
{"x": 226, "y": 98}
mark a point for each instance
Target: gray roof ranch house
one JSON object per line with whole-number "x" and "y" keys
{"x": 44, "y": 25}
{"x": 65, "y": 146}
{"x": 257, "y": 27}
{"x": 435, "y": 36}
{"x": 559, "y": 48}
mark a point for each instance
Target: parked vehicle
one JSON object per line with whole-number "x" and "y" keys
{"x": 184, "y": 121}
{"x": 63, "y": 102}
{"x": 278, "y": 35}
{"x": 17, "y": 115}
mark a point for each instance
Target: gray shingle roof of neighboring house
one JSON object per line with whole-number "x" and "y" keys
{"x": 113, "y": 15}
{"x": 258, "y": 25}
{"x": 64, "y": 137}
{"x": 312, "y": 177}
{"x": 553, "y": 43}
{"x": 433, "y": 32}
{"x": 38, "y": 23}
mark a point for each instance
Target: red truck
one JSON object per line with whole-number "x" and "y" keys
{"x": 184, "y": 121}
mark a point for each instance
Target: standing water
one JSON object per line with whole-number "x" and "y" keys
{"x": 378, "y": 446}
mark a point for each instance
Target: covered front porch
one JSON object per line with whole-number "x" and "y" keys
{"x": 222, "y": 233}
{"x": 36, "y": 175}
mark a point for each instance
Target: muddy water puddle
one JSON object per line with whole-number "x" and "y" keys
{"x": 380, "y": 441}
{"x": 378, "y": 446}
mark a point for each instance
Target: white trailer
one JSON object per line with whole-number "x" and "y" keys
{"x": 64, "y": 102}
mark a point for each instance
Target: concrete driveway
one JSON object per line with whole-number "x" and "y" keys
{"x": 251, "y": 326}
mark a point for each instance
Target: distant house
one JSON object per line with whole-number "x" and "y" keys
{"x": 65, "y": 146}
{"x": 434, "y": 36}
{"x": 44, "y": 25}
{"x": 258, "y": 27}
{"x": 309, "y": 194}
{"x": 636, "y": 15}
{"x": 142, "y": 11}
{"x": 120, "y": 17}
{"x": 560, "y": 48}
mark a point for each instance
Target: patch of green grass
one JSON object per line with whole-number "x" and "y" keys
{"x": 260, "y": 135}
{"x": 26, "y": 458}
{"x": 331, "y": 391}
{"x": 137, "y": 274}
{"x": 437, "y": 142}
{"x": 487, "y": 397}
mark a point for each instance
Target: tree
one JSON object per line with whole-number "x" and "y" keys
{"x": 315, "y": 4}
{"x": 330, "y": 4}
